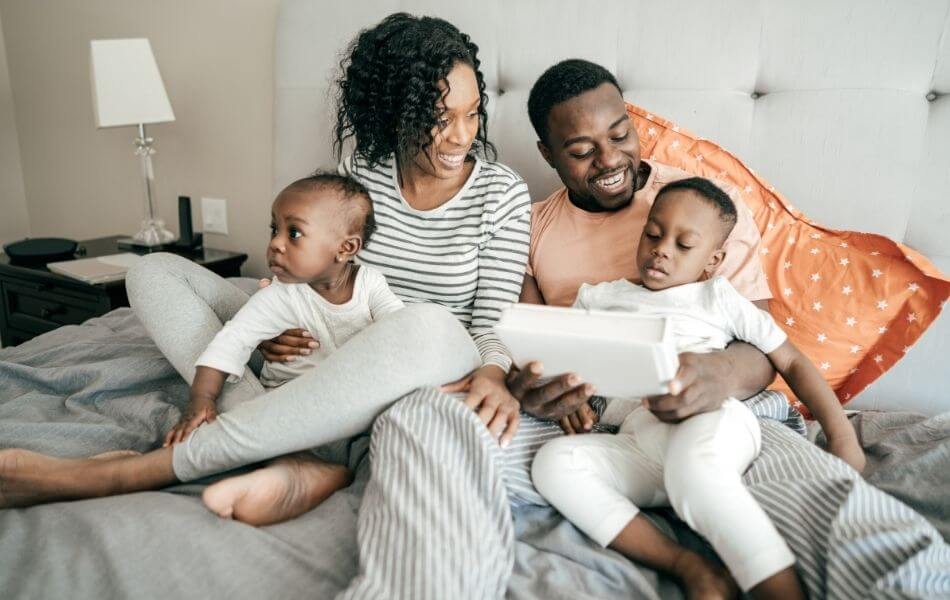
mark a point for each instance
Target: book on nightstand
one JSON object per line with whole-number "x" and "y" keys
{"x": 99, "y": 269}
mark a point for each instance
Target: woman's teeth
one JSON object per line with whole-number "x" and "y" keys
{"x": 452, "y": 160}
{"x": 611, "y": 182}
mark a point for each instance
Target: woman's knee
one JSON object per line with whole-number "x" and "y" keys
{"x": 434, "y": 331}
{"x": 150, "y": 269}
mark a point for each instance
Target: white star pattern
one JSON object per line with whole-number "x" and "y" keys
{"x": 844, "y": 262}
{"x": 814, "y": 251}
{"x": 853, "y": 371}
{"x": 653, "y": 157}
{"x": 816, "y": 236}
{"x": 855, "y": 349}
{"x": 747, "y": 189}
{"x": 791, "y": 240}
{"x": 764, "y": 250}
{"x": 847, "y": 396}
{"x": 676, "y": 128}
{"x": 876, "y": 273}
{"x": 911, "y": 317}
{"x": 843, "y": 244}
{"x": 649, "y": 117}
{"x": 846, "y": 290}
{"x": 906, "y": 348}
{"x": 816, "y": 306}
{"x": 815, "y": 277}
{"x": 878, "y": 358}
{"x": 821, "y": 338}
{"x": 850, "y": 321}
{"x": 770, "y": 226}
{"x": 882, "y": 330}
{"x": 875, "y": 253}
{"x": 825, "y": 366}
{"x": 913, "y": 287}
{"x": 772, "y": 205}
{"x": 790, "y": 321}
{"x": 881, "y": 304}
{"x": 675, "y": 144}
{"x": 651, "y": 132}
{"x": 787, "y": 292}
{"x": 699, "y": 158}
{"x": 771, "y": 188}
{"x": 787, "y": 265}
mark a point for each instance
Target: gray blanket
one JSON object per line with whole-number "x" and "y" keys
{"x": 102, "y": 386}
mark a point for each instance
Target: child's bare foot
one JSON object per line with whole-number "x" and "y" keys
{"x": 704, "y": 580}
{"x": 284, "y": 489}
{"x": 28, "y": 478}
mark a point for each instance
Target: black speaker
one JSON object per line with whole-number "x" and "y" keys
{"x": 187, "y": 239}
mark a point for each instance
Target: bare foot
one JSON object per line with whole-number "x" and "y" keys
{"x": 704, "y": 580}
{"x": 28, "y": 478}
{"x": 286, "y": 488}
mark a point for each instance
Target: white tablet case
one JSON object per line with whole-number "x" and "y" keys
{"x": 623, "y": 354}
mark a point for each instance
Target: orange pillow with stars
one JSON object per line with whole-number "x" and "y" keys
{"x": 853, "y": 302}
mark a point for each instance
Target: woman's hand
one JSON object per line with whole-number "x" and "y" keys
{"x": 489, "y": 396}
{"x": 197, "y": 414}
{"x": 580, "y": 421}
{"x": 288, "y": 345}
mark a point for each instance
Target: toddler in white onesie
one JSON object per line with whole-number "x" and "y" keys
{"x": 599, "y": 481}
{"x": 318, "y": 224}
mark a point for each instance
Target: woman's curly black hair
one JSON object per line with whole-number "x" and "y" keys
{"x": 389, "y": 86}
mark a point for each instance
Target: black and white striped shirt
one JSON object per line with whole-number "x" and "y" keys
{"x": 468, "y": 254}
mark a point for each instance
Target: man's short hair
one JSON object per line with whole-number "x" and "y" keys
{"x": 565, "y": 80}
{"x": 711, "y": 193}
{"x": 358, "y": 205}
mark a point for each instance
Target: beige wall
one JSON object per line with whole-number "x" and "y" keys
{"x": 216, "y": 58}
{"x": 14, "y": 221}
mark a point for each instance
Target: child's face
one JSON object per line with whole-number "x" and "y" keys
{"x": 309, "y": 234}
{"x": 681, "y": 242}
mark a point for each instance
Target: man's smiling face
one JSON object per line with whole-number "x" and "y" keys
{"x": 594, "y": 148}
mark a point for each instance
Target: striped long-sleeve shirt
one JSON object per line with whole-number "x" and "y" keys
{"x": 468, "y": 254}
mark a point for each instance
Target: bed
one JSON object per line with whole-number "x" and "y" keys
{"x": 845, "y": 69}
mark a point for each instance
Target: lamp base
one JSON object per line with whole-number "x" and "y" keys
{"x": 151, "y": 235}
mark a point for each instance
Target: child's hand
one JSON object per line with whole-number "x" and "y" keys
{"x": 580, "y": 421}
{"x": 849, "y": 450}
{"x": 197, "y": 414}
{"x": 489, "y": 396}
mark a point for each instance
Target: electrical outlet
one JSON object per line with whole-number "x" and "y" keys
{"x": 214, "y": 215}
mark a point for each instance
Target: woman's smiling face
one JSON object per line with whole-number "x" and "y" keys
{"x": 458, "y": 123}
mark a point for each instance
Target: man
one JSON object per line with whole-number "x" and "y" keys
{"x": 587, "y": 232}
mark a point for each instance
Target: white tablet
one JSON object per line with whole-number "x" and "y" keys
{"x": 623, "y": 354}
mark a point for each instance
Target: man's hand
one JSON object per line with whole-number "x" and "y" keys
{"x": 288, "y": 345}
{"x": 489, "y": 396}
{"x": 701, "y": 385}
{"x": 559, "y": 397}
{"x": 580, "y": 421}
{"x": 197, "y": 414}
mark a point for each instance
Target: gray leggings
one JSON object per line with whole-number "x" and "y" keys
{"x": 183, "y": 306}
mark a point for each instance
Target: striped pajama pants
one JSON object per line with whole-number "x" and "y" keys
{"x": 436, "y": 520}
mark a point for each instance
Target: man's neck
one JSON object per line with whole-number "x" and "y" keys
{"x": 589, "y": 205}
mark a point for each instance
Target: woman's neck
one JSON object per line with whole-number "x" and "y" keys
{"x": 336, "y": 287}
{"x": 424, "y": 191}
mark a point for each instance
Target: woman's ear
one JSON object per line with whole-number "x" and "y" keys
{"x": 349, "y": 248}
{"x": 714, "y": 261}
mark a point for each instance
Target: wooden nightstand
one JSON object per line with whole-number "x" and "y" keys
{"x": 33, "y": 300}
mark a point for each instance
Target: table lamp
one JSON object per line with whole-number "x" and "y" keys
{"x": 127, "y": 90}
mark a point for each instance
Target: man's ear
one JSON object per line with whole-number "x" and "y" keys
{"x": 714, "y": 261}
{"x": 349, "y": 248}
{"x": 545, "y": 153}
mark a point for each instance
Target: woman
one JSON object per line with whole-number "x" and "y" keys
{"x": 452, "y": 233}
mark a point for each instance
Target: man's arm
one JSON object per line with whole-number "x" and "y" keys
{"x": 530, "y": 292}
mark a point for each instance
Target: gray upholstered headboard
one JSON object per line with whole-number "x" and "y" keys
{"x": 841, "y": 104}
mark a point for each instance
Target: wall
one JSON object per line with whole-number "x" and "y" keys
{"x": 14, "y": 219}
{"x": 216, "y": 59}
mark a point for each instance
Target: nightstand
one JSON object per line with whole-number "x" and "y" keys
{"x": 34, "y": 300}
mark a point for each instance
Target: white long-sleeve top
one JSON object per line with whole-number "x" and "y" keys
{"x": 283, "y": 306}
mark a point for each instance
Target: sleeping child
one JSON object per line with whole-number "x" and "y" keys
{"x": 599, "y": 481}
{"x": 318, "y": 224}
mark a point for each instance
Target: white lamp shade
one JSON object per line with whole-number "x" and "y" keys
{"x": 127, "y": 88}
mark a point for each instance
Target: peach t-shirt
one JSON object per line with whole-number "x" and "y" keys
{"x": 570, "y": 246}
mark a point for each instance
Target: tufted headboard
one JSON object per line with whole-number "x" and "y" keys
{"x": 844, "y": 105}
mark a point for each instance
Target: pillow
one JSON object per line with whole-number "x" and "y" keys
{"x": 852, "y": 302}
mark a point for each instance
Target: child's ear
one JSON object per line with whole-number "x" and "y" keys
{"x": 349, "y": 248}
{"x": 714, "y": 261}
{"x": 545, "y": 153}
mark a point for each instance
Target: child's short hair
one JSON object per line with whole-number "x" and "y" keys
{"x": 360, "y": 206}
{"x": 709, "y": 192}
